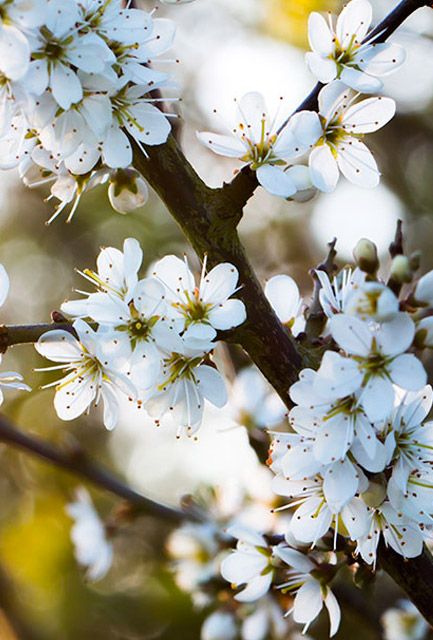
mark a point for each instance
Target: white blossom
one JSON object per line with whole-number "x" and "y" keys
{"x": 220, "y": 625}
{"x": 186, "y": 380}
{"x": 209, "y": 303}
{"x": 80, "y": 77}
{"x": 250, "y": 564}
{"x": 283, "y": 294}
{"x": 311, "y": 592}
{"x": 404, "y": 622}
{"x": 334, "y": 293}
{"x": 377, "y": 359}
{"x": 336, "y": 133}
{"x": 91, "y": 373}
{"x": 258, "y": 141}
{"x": 116, "y": 274}
{"x": 92, "y": 548}
{"x": 264, "y": 621}
{"x": 343, "y": 51}
{"x": 398, "y": 531}
{"x": 372, "y": 301}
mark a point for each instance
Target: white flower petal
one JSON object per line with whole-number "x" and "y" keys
{"x": 276, "y": 181}
{"x": 334, "y": 611}
{"x": 4, "y": 285}
{"x": 323, "y": 168}
{"x": 255, "y": 589}
{"x": 65, "y": 85}
{"x": 116, "y": 148}
{"x": 283, "y": 294}
{"x": 324, "y": 69}
{"x": 368, "y": 115}
{"x": 360, "y": 81}
{"x": 408, "y": 372}
{"x": 319, "y": 35}
{"x": 381, "y": 59}
{"x": 396, "y": 335}
{"x": 308, "y": 602}
{"x": 340, "y": 484}
{"x": 377, "y": 398}
{"x": 59, "y": 346}
{"x": 227, "y": 315}
{"x": 240, "y": 567}
{"x": 222, "y": 145}
{"x": 212, "y": 385}
{"x": 357, "y": 163}
{"x": 352, "y": 334}
{"x": 354, "y": 19}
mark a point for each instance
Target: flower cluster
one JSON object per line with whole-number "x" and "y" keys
{"x": 198, "y": 550}
{"x": 358, "y": 458}
{"x": 308, "y": 151}
{"x": 355, "y": 465}
{"x": 76, "y": 83}
{"x": 149, "y": 339}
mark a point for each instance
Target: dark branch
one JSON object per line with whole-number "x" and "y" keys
{"x": 414, "y": 576}
{"x": 76, "y": 462}
{"x": 26, "y": 333}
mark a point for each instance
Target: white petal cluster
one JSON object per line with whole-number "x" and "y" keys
{"x": 8, "y": 379}
{"x": 149, "y": 339}
{"x": 255, "y": 563}
{"x": 309, "y": 150}
{"x": 358, "y": 457}
{"x": 76, "y": 87}
{"x": 92, "y": 548}
{"x": 343, "y": 51}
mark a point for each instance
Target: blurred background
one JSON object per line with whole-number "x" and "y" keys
{"x": 225, "y": 48}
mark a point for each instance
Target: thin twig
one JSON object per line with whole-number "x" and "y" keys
{"x": 78, "y": 463}
{"x": 316, "y": 316}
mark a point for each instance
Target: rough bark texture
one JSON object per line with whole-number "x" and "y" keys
{"x": 414, "y": 576}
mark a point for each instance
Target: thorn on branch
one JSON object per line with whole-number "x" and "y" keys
{"x": 239, "y": 191}
{"x": 396, "y": 247}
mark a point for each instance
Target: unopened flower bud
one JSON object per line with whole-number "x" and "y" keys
{"x": 365, "y": 254}
{"x": 424, "y": 333}
{"x": 127, "y": 191}
{"x": 372, "y": 300}
{"x": 424, "y": 289}
{"x": 376, "y": 492}
{"x": 401, "y": 270}
{"x": 415, "y": 260}
{"x": 220, "y": 625}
